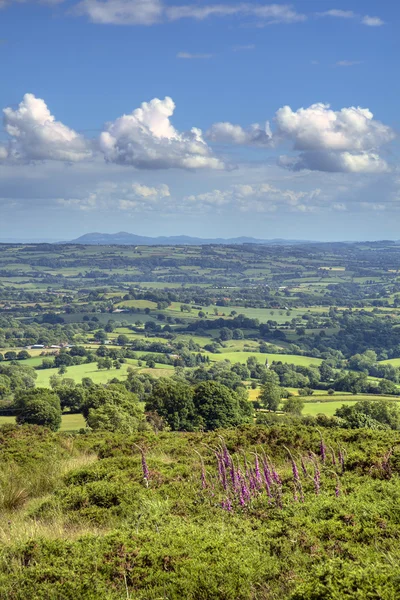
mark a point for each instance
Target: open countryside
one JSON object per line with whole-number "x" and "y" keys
{"x": 167, "y": 413}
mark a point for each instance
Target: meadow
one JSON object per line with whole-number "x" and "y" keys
{"x": 242, "y": 357}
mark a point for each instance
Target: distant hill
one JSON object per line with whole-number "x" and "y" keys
{"x": 123, "y": 238}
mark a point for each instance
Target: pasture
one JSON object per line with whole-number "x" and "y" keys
{"x": 99, "y": 376}
{"x": 241, "y": 357}
{"x": 69, "y": 422}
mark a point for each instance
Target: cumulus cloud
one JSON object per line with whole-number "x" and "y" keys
{"x": 346, "y": 140}
{"x": 235, "y": 134}
{"x": 146, "y": 139}
{"x": 321, "y": 128}
{"x": 36, "y": 135}
{"x": 334, "y": 162}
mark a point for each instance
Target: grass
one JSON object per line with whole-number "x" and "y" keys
{"x": 69, "y": 422}
{"x": 395, "y": 362}
{"x": 242, "y": 357}
{"x": 77, "y": 372}
{"x": 328, "y": 407}
{"x": 325, "y": 408}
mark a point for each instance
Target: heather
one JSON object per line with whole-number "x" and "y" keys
{"x": 257, "y": 512}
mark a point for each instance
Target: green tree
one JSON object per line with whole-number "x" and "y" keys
{"x": 269, "y": 376}
{"x": 112, "y": 417}
{"x": 111, "y": 394}
{"x": 39, "y": 407}
{"x": 122, "y": 340}
{"x": 218, "y": 406}
{"x": 383, "y": 412}
{"x": 173, "y": 401}
{"x": 225, "y": 334}
{"x": 270, "y": 396}
{"x": 72, "y": 398}
{"x": 388, "y": 387}
{"x": 293, "y": 405}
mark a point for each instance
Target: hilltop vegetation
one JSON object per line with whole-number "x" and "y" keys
{"x": 307, "y": 514}
{"x": 199, "y": 422}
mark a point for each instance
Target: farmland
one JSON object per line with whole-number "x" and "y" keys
{"x": 199, "y": 422}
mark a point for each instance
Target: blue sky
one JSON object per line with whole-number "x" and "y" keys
{"x": 264, "y": 119}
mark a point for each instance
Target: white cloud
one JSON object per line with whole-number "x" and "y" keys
{"x": 340, "y": 14}
{"x": 121, "y": 12}
{"x": 109, "y": 195}
{"x": 321, "y": 128}
{"x": 5, "y": 3}
{"x": 148, "y": 12}
{"x": 335, "y": 162}
{"x": 147, "y": 139}
{"x": 256, "y": 197}
{"x": 243, "y": 47}
{"x": 372, "y": 21}
{"x": 269, "y": 13}
{"x": 36, "y": 135}
{"x": 346, "y": 140}
{"x": 235, "y": 134}
{"x": 348, "y": 63}
{"x": 3, "y": 152}
{"x": 188, "y": 55}
{"x": 349, "y": 14}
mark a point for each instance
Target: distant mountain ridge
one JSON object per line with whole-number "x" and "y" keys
{"x": 130, "y": 239}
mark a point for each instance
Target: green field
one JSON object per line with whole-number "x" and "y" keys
{"x": 391, "y": 361}
{"x": 69, "y": 422}
{"x": 77, "y": 372}
{"x": 328, "y": 407}
{"x": 242, "y": 357}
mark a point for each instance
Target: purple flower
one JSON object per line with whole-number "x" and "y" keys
{"x": 341, "y": 459}
{"x": 232, "y": 472}
{"x": 267, "y": 477}
{"x": 244, "y": 494}
{"x": 275, "y": 476}
{"x": 226, "y": 456}
{"x": 317, "y": 479}
{"x": 227, "y": 505}
{"x": 222, "y": 471}
{"x": 295, "y": 471}
{"x": 322, "y": 449}
{"x": 257, "y": 472}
